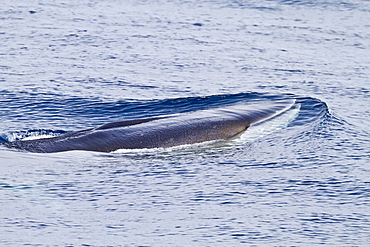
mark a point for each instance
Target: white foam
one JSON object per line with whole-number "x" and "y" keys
{"x": 142, "y": 151}
{"x": 35, "y": 137}
{"x": 267, "y": 127}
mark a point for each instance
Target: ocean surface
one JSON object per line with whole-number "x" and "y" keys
{"x": 300, "y": 179}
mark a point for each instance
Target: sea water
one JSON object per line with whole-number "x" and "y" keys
{"x": 301, "y": 179}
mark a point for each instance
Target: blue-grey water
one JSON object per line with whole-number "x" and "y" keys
{"x": 71, "y": 65}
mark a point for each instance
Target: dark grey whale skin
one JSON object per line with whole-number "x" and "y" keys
{"x": 160, "y": 132}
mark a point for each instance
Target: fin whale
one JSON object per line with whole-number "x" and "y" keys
{"x": 160, "y": 132}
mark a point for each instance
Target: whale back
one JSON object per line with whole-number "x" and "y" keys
{"x": 160, "y": 132}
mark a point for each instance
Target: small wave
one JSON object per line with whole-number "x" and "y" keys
{"x": 31, "y": 135}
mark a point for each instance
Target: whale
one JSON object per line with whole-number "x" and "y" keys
{"x": 215, "y": 124}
